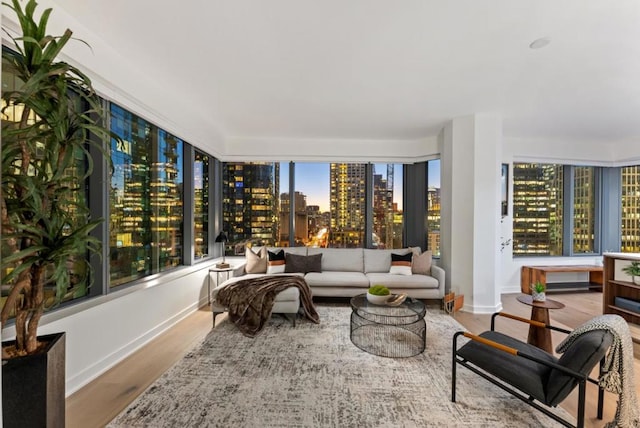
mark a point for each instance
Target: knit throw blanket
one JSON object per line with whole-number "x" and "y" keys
{"x": 250, "y": 301}
{"x": 618, "y": 367}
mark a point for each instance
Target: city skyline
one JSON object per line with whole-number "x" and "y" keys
{"x": 312, "y": 180}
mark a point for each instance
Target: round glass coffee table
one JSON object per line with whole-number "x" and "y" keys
{"x": 388, "y": 331}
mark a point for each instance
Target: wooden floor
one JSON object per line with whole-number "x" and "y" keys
{"x": 100, "y": 401}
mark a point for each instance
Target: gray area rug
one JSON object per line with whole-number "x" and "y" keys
{"x": 313, "y": 376}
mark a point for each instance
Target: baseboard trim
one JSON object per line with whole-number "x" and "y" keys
{"x": 475, "y": 309}
{"x": 87, "y": 375}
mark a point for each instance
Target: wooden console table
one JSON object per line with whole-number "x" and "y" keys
{"x": 532, "y": 274}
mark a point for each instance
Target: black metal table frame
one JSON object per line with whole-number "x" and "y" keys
{"x": 388, "y": 331}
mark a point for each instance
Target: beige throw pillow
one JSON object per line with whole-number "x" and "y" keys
{"x": 256, "y": 263}
{"x": 421, "y": 264}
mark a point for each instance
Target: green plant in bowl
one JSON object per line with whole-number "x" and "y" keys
{"x": 378, "y": 294}
{"x": 538, "y": 292}
{"x": 379, "y": 290}
{"x": 538, "y": 287}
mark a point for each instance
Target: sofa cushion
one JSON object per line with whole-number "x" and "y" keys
{"x": 304, "y": 264}
{"x": 288, "y": 294}
{"x": 421, "y": 264}
{"x": 340, "y": 259}
{"x": 276, "y": 262}
{"x": 337, "y": 279}
{"x": 256, "y": 263}
{"x": 400, "y": 264}
{"x": 402, "y": 281}
{"x": 380, "y": 260}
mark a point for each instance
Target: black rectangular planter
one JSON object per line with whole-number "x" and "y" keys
{"x": 33, "y": 387}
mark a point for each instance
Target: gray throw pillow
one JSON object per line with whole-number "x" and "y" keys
{"x": 303, "y": 264}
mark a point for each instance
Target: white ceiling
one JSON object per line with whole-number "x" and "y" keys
{"x": 387, "y": 70}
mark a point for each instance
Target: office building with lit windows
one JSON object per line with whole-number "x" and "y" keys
{"x": 250, "y": 205}
{"x": 537, "y": 213}
{"x": 630, "y": 227}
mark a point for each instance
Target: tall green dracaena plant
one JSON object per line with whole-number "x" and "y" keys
{"x": 46, "y": 126}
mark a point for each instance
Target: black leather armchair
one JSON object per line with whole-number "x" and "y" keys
{"x": 529, "y": 373}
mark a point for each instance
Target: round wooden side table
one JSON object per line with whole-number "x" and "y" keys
{"x": 540, "y": 336}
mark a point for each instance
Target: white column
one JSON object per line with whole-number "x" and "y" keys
{"x": 471, "y": 155}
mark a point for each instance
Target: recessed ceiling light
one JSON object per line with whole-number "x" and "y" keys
{"x": 539, "y": 43}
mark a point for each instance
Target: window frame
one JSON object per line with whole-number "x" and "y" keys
{"x": 568, "y": 199}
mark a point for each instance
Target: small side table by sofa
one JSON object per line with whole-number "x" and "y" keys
{"x": 218, "y": 272}
{"x": 540, "y": 336}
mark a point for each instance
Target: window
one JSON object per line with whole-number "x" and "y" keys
{"x": 146, "y": 209}
{"x": 328, "y": 207}
{"x": 554, "y": 209}
{"x": 250, "y": 204}
{"x": 387, "y": 206}
{"x": 537, "y": 209}
{"x": 630, "y": 212}
{"x": 312, "y": 194}
{"x": 201, "y": 205}
{"x": 433, "y": 207}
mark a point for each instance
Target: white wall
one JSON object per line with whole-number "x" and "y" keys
{"x": 113, "y": 326}
{"x": 326, "y": 150}
{"x": 559, "y": 151}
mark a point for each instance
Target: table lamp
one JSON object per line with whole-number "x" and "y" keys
{"x": 222, "y": 237}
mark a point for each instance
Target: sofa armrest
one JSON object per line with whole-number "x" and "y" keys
{"x": 438, "y": 273}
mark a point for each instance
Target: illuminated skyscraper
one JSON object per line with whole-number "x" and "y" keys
{"x": 201, "y": 205}
{"x": 630, "y": 209}
{"x": 383, "y": 211}
{"x": 584, "y": 201}
{"x": 347, "y": 204}
{"x": 250, "y": 203}
{"x": 537, "y": 209}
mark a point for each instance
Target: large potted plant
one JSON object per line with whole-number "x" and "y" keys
{"x": 49, "y": 121}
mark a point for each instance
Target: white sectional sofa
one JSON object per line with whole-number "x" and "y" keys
{"x": 347, "y": 272}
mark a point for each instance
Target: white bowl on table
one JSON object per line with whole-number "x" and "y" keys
{"x": 377, "y": 300}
